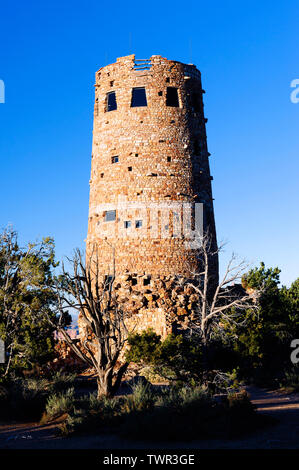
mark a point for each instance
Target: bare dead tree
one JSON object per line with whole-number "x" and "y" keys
{"x": 84, "y": 291}
{"x": 219, "y": 303}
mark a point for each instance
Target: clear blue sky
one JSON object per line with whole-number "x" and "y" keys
{"x": 248, "y": 54}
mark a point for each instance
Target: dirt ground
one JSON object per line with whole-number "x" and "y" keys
{"x": 284, "y": 434}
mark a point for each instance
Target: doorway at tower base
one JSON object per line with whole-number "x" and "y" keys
{"x": 166, "y": 304}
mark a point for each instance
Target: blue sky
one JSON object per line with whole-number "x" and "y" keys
{"x": 248, "y": 55}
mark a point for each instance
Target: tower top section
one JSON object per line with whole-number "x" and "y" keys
{"x": 147, "y": 66}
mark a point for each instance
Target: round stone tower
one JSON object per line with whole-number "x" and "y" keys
{"x": 150, "y": 168}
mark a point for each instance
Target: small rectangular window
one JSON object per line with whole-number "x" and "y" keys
{"x": 138, "y": 223}
{"x": 114, "y": 159}
{"x": 172, "y": 97}
{"x": 169, "y": 159}
{"x": 130, "y": 168}
{"x": 110, "y": 216}
{"x": 127, "y": 223}
{"x": 111, "y": 104}
{"x": 138, "y": 97}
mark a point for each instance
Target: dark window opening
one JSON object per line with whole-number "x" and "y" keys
{"x": 114, "y": 159}
{"x": 147, "y": 281}
{"x": 138, "y": 223}
{"x": 136, "y": 154}
{"x": 167, "y": 80}
{"x": 129, "y": 168}
{"x": 111, "y": 104}
{"x": 160, "y": 93}
{"x": 110, "y": 216}
{"x": 196, "y": 102}
{"x": 138, "y": 97}
{"x": 102, "y": 175}
{"x": 112, "y": 83}
{"x": 134, "y": 281}
{"x": 172, "y": 97}
{"x": 169, "y": 159}
{"x": 127, "y": 223}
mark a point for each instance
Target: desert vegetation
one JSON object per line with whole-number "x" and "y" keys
{"x": 193, "y": 379}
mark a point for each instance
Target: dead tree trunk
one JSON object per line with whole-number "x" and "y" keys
{"x": 104, "y": 320}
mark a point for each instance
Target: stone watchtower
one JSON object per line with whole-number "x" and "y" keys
{"x": 150, "y": 166}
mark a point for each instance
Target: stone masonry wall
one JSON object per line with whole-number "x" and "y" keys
{"x": 162, "y": 160}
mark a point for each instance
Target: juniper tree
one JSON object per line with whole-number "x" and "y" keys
{"x": 26, "y": 301}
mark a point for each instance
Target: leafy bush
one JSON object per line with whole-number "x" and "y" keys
{"x": 191, "y": 413}
{"x": 262, "y": 345}
{"x": 26, "y": 301}
{"x": 142, "y": 398}
{"x": 170, "y": 413}
{"x": 23, "y": 399}
{"x": 176, "y": 414}
{"x": 58, "y": 404}
{"x": 89, "y": 413}
{"x": 60, "y": 382}
{"x": 176, "y": 358}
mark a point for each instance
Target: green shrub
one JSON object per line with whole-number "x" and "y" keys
{"x": 60, "y": 382}
{"x": 23, "y": 399}
{"x": 90, "y": 413}
{"x": 176, "y": 414}
{"x": 58, "y": 404}
{"x": 142, "y": 398}
{"x": 190, "y": 413}
{"x": 172, "y": 413}
{"x": 176, "y": 358}
{"x": 77, "y": 421}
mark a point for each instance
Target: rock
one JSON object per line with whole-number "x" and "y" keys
{"x": 149, "y": 297}
{"x": 182, "y": 299}
{"x": 193, "y": 298}
{"x": 181, "y": 311}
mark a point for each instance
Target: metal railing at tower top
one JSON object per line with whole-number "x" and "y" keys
{"x": 142, "y": 64}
